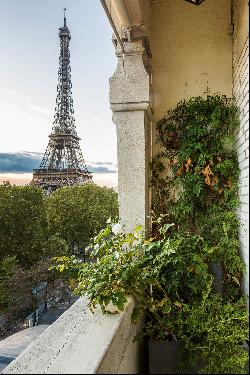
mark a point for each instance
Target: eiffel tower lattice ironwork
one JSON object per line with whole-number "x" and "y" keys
{"x": 63, "y": 163}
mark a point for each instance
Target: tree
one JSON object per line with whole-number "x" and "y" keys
{"x": 24, "y": 226}
{"x": 24, "y": 290}
{"x": 78, "y": 213}
{"x": 25, "y": 251}
{"x": 7, "y": 267}
{"x": 23, "y": 223}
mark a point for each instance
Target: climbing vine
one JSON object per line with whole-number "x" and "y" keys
{"x": 195, "y": 179}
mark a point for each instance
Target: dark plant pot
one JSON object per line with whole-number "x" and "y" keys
{"x": 216, "y": 270}
{"x": 164, "y": 356}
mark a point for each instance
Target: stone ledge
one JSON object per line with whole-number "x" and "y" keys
{"x": 129, "y": 106}
{"x": 81, "y": 342}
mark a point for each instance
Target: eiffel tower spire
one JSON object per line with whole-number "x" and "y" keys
{"x": 63, "y": 163}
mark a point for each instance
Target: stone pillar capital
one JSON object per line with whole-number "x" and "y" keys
{"x": 130, "y": 82}
{"x": 135, "y": 39}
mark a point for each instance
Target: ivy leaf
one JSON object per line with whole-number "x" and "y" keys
{"x": 135, "y": 314}
{"x": 62, "y": 268}
{"x": 167, "y": 226}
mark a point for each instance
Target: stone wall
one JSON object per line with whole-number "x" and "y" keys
{"x": 192, "y": 50}
{"x": 241, "y": 93}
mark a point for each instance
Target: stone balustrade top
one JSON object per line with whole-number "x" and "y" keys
{"x": 82, "y": 342}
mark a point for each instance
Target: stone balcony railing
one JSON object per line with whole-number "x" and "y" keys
{"x": 81, "y": 342}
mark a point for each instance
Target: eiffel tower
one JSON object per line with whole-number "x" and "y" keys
{"x": 63, "y": 163}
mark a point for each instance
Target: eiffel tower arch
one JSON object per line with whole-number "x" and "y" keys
{"x": 63, "y": 163}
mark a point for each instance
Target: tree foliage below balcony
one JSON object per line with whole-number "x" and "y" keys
{"x": 23, "y": 223}
{"x": 34, "y": 228}
{"x": 78, "y": 213}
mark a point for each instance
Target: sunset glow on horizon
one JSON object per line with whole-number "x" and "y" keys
{"x": 20, "y": 179}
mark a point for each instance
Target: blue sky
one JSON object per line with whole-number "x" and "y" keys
{"x": 28, "y": 75}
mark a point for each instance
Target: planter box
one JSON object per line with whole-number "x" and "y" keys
{"x": 163, "y": 356}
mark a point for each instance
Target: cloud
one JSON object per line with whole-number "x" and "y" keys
{"x": 101, "y": 167}
{"x": 19, "y": 162}
{"x": 15, "y": 100}
{"x": 105, "y": 163}
{"x": 25, "y": 161}
{"x": 39, "y": 109}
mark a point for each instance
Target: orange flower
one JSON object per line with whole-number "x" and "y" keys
{"x": 179, "y": 172}
{"x": 187, "y": 165}
{"x": 207, "y": 171}
{"x": 207, "y": 180}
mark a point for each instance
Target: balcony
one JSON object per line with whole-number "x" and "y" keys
{"x": 81, "y": 342}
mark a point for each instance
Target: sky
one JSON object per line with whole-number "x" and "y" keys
{"x": 28, "y": 76}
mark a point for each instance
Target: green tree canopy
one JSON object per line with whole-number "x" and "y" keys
{"x": 23, "y": 223}
{"x": 78, "y": 213}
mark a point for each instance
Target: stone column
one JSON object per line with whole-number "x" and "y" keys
{"x": 130, "y": 103}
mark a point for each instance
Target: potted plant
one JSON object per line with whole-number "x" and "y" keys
{"x": 195, "y": 181}
{"x": 171, "y": 283}
{"x": 186, "y": 277}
